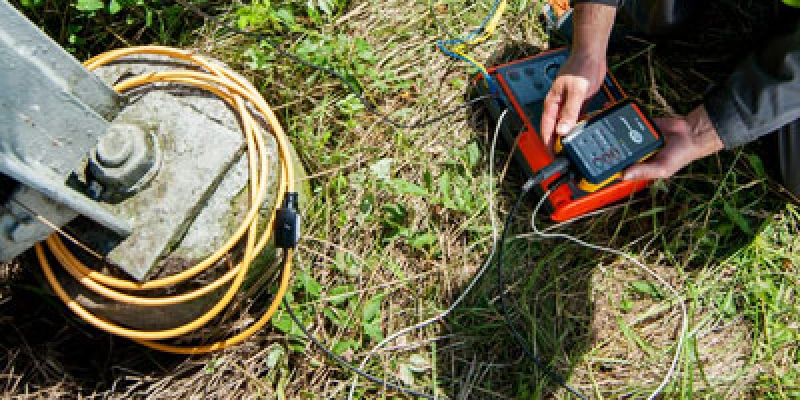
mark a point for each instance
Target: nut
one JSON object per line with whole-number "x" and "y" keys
{"x": 122, "y": 157}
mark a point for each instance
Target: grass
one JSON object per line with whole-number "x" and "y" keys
{"x": 398, "y": 223}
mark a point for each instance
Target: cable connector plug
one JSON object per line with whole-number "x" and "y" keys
{"x": 559, "y": 165}
{"x": 287, "y": 223}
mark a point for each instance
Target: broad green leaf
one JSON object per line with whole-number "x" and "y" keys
{"x": 372, "y": 308}
{"x": 343, "y": 346}
{"x": 283, "y": 323}
{"x": 737, "y": 218}
{"x": 405, "y": 187}
{"x": 310, "y": 285}
{"x": 114, "y": 7}
{"x": 340, "y": 294}
{"x": 473, "y": 155}
{"x": 89, "y": 5}
{"x": 333, "y": 315}
{"x": 625, "y": 305}
{"x": 420, "y": 241}
{"x": 286, "y": 16}
{"x": 373, "y": 331}
{"x": 371, "y": 318}
{"x": 647, "y": 288}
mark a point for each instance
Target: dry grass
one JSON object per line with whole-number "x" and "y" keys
{"x": 591, "y": 316}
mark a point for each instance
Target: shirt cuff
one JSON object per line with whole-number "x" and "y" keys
{"x": 726, "y": 119}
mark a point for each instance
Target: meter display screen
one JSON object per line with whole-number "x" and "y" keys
{"x": 611, "y": 141}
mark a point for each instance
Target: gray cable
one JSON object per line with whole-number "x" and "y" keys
{"x": 684, "y": 324}
{"x": 475, "y": 279}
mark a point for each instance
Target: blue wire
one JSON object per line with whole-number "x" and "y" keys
{"x": 443, "y": 43}
{"x": 485, "y": 21}
{"x": 489, "y": 79}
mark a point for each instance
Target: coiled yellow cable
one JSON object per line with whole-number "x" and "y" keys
{"x": 239, "y": 93}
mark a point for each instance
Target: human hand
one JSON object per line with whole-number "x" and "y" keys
{"x": 579, "y": 79}
{"x": 687, "y": 139}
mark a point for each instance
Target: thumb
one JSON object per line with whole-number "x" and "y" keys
{"x": 571, "y": 110}
{"x": 654, "y": 169}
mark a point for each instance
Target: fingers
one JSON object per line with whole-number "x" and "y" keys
{"x": 670, "y": 124}
{"x": 662, "y": 166}
{"x": 678, "y": 152}
{"x": 562, "y": 107}
{"x": 552, "y": 105}
{"x": 647, "y": 171}
{"x": 571, "y": 107}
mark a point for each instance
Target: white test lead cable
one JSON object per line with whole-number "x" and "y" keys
{"x": 472, "y": 283}
{"x": 684, "y": 325}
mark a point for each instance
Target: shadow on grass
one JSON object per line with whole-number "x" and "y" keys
{"x": 694, "y": 221}
{"x": 48, "y": 350}
{"x": 547, "y": 286}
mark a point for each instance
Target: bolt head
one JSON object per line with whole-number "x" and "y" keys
{"x": 115, "y": 147}
{"x": 121, "y": 158}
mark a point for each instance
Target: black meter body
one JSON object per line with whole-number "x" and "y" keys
{"x": 524, "y": 85}
{"x": 610, "y": 141}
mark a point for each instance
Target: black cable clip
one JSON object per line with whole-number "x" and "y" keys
{"x": 559, "y": 165}
{"x": 287, "y": 223}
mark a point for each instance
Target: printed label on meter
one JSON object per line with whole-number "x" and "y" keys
{"x": 611, "y": 141}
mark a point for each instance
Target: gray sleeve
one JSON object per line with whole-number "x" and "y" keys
{"x": 761, "y": 96}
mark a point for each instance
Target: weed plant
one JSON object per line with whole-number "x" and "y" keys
{"x": 398, "y": 223}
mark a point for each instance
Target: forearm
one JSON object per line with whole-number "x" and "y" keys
{"x": 761, "y": 95}
{"x": 592, "y": 29}
{"x": 583, "y": 73}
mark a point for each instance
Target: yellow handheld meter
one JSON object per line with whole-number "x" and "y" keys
{"x": 611, "y": 141}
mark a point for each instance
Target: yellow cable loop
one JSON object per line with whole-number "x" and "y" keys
{"x": 491, "y": 26}
{"x": 488, "y": 31}
{"x": 237, "y": 92}
{"x": 459, "y": 50}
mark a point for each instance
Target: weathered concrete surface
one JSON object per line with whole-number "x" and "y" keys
{"x": 216, "y": 217}
{"x": 196, "y": 154}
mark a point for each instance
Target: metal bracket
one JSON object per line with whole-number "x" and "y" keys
{"x": 52, "y": 112}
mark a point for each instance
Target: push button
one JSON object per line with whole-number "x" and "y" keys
{"x": 552, "y": 71}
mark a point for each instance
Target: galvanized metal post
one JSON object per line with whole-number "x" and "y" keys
{"x": 52, "y": 111}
